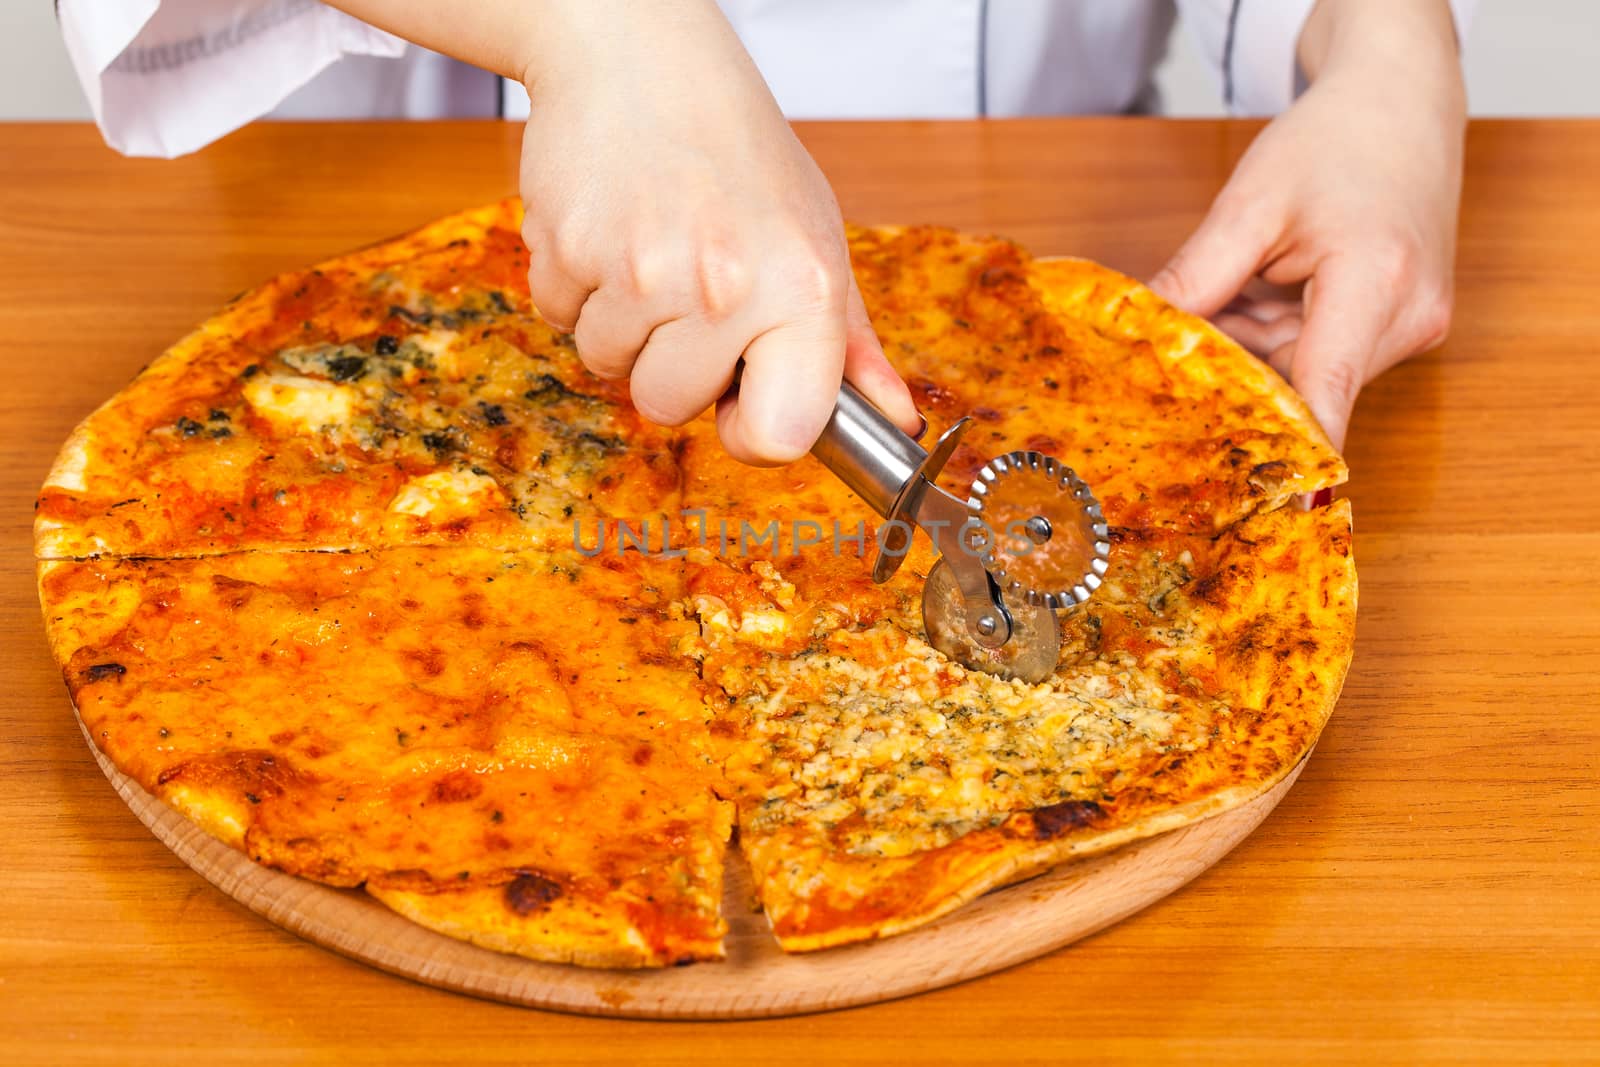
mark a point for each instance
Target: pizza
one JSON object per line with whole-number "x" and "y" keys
{"x": 370, "y": 580}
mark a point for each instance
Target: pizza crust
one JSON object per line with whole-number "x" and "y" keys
{"x": 52, "y": 538}
{"x": 560, "y": 933}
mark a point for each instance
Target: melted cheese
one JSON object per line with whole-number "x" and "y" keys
{"x": 88, "y": 616}
{"x": 445, "y": 495}
{"x": 764, "y": 623}
{"x": 222, "y": 817}
{"x": 763, "y": 626}
{"x": 306, "y": 405}
{"x": 880, "y": 732}
{"x": 439, "y": 347}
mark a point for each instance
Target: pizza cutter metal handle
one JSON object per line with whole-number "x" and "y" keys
{"x": 894, "y": 475}
{"x": 870, "y": 454}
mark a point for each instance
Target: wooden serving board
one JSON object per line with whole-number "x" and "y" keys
{"x": 1003, "y": 928}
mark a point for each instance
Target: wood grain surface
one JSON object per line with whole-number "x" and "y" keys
{"x": 1429, "y": 891}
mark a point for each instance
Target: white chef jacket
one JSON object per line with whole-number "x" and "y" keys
{"x": 165, "y": 77}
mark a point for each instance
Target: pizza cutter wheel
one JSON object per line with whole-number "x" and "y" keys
{"x": 1029, "y": 655}
{"x": 1029, "y": 541}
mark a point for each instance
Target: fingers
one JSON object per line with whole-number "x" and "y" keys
{"x": 1348, "y": 313}
{"x": 788, "y": 389}
{"x": 869, "y": 371}
{"x": 1261, "y": 337}
{"x": 1264, "y": 309}
{"x": 1281, "y": 359}
{"x": 1213, "y": 265}
{"x": 679, "y": 344}
{"x": 611, "y": 331}
{"x": 657, "y": 285}
{"x": 556, "y": 294}
{"x": 683, "y": 367}
{"x": 680, "y": 367}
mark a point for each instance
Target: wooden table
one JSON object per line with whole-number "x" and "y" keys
{"x": 1430, "y": 889}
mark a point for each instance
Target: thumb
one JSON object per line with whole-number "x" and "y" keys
{"x": 1212, "y": 266}
{"x": 1330, "y": 392}
{"x": 1335, "y": 352}
{"x": 868, "y": 369}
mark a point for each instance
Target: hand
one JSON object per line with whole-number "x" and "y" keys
{"x": 676, "y": 226}
{"x": 675, "y": 223}
{"x": 1353, "y": 192}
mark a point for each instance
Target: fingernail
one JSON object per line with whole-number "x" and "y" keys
{"x": 922, "y": 426}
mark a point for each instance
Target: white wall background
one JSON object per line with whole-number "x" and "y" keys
{"x": 36, "y": 79}
{"x": 1523, "y": 57}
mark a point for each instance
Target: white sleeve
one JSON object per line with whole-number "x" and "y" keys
{"x": 165, "y": 77}
{"x": 1251, "y": 46}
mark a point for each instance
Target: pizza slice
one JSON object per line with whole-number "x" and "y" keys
{"x": 885, "y": 785}
{"x": 406, "y": 394}
{"x": 1171, "y": 422}
{"x": 506, "y": 746}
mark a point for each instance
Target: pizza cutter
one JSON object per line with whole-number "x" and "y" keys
{"x": 1030, "y": 539}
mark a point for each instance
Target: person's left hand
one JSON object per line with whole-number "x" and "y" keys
{"x": 1353, "y": 192}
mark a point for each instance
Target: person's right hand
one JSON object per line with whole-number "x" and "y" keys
{"x": 676, "y": 225}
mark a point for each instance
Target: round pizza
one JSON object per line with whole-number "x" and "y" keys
{"x": 372, "y": 581}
